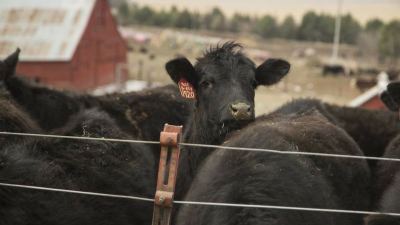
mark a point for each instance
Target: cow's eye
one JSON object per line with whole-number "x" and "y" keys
{"x": 206, "y": 84}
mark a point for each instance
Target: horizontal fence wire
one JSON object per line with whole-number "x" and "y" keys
{"x": 219, "y": 204}
{"x": 206, "y": 146}
{"x": 76, "y": 192}
{"x": 79, "y": 137}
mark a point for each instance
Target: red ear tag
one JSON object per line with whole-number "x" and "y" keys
{"x": 186, "y": 89}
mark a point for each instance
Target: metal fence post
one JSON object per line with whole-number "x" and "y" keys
{"x": 167, "y": 172}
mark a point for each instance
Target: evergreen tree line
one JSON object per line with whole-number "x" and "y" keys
{"x": 312, "y": 27}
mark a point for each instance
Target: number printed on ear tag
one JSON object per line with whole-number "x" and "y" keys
{"x": 186, "y": 89}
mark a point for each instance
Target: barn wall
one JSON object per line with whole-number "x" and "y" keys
{"x": 95, "y": 59}
{"x": 58, "y": 74}
{"x": 374, "y": 103}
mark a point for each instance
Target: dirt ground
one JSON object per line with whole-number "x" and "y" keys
{"x": 146, "y": 62}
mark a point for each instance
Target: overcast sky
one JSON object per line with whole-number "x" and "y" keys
{"x": 361, "y": 9}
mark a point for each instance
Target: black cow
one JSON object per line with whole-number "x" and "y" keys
{"x": 333, "y": 69}
{"x": 387, "y": 179}
{"x": 98, "y": 166}
{"x": 224, "y": 80}
{"x": 371, "y": 129}
{"x": 141, "y": 114}
{"x": 261, "y": 178}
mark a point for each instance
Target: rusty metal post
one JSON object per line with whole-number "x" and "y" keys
{"x": 167, "y": 172}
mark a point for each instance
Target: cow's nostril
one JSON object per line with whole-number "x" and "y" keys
{"x": 234, "y": 108}
{"x": 241, "y": 111}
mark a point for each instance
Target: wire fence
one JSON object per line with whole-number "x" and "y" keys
{"x": 137, "y": 198}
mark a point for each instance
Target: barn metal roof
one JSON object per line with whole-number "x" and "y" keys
{"x": 45, "y": 30}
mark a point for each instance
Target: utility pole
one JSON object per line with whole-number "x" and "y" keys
{"x": 336, "y": 39}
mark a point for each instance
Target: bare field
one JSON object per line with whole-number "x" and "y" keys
{"x": 146, "y": 62}
{"x": 303, "y": 82}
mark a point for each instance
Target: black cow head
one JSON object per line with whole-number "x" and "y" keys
{"x": 391, "y": 97}
{"x": 224, "y": 80}
{"x": 8, "y": 65}
{"x": 49, "y": 107}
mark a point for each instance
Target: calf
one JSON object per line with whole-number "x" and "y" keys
{"x": 224, "y": 80}
{"x": 249, "y": 177}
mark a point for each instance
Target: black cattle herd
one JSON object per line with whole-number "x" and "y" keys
{"x": 224, "y": 80}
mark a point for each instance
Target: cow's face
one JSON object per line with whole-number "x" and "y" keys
{"x": 224, "y": 81}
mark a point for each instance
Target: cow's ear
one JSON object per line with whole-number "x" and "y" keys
{"x": 9, "y": 65}
{"x": 381, "y": 220}
{"x": 389, "y": 102}
{"x": 181, "y": 68}
{"x": 272, "y": 71}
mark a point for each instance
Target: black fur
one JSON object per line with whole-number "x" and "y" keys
{"x": 387, "y": 171}
{"x": 13, "y": 119}
{"x": 144, "y": 113}
{"x": 386, "y": 188}
{"x": 108, "y": 167}
{"x": 382, "y": 220}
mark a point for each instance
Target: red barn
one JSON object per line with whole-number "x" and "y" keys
{"x": 71, "y": 44}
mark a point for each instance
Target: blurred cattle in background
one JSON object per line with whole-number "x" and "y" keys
{"x": 333, "y": 69}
